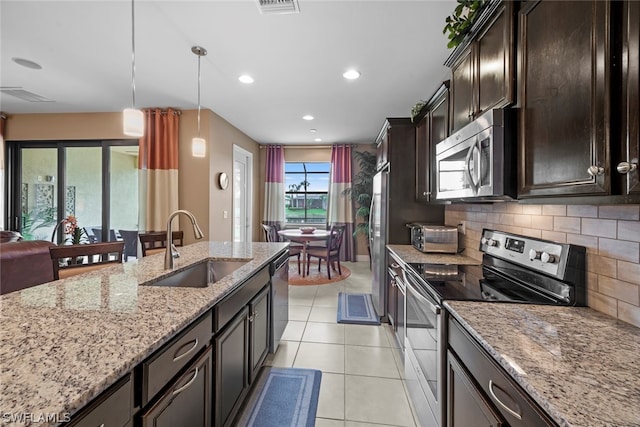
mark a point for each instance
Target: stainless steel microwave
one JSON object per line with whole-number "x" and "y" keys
{"x": 478, "y": 161}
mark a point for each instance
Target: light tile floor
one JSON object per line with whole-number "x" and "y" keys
{"x": 362, "y": 367}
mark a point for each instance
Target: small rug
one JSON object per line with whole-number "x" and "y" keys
{"x": 315, "y": 277}
{"x": 283, "y": 397}
{"x": 357, "y": 308}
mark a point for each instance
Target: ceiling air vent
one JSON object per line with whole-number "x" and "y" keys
{"x": 25, "y": 95}
{"x": 278, "y": 6}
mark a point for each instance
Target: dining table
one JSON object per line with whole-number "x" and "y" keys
{"x": 296, "y": 235}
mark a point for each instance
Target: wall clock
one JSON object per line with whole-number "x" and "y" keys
{"x": 223, "y": 180}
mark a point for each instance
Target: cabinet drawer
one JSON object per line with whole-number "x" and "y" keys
{"x": 166, "y": 362}
{"x": 516, "y": 407}
{"x": 111, "y": 409}
{"x": 227, "y": 309}
{"x": 188, "y": 401}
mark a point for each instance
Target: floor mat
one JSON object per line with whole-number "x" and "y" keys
{"x": 357, "y": 308}
{"x": 283, "y": 397}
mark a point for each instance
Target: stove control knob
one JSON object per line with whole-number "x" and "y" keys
{"x": 547, "y": 258}
{"x": 489, "y": 242}
{"x": 533, "y": 254}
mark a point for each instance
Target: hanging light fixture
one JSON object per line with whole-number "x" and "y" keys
{"x": 198, "y": 144}
{"x": 133, "y": 119}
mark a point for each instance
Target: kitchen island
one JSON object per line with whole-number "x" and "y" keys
{"x": 63, "y": 343}
{"x": 580, "y": 366}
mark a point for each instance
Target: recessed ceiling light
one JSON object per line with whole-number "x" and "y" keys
{"x": 27, "y": 63}
{"x": 318, "y": 140}
{"x": 245, "y": 78}
{"x": 308, "y": 117}
{"x": 351, "y": 74}
{"x": 313, "y": 130}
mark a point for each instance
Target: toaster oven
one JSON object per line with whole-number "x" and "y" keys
{"x": 434, "y": 238}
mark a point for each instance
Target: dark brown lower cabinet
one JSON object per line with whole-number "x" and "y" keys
{"x": 231, "y": 370}
{"x": 480, "y": 393}
{"x": 466, "y": 406}
{"x": 258, "y": 331}
{"x": 187, "y": 402}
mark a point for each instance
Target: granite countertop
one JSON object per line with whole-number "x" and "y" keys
{"x": 581, "y": 366}
{"x": 408, "y": 254}
{"x": 65, "y": 342}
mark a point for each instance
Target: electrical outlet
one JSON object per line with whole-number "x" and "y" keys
{"x": 462, "y": 227}
{"x": 225, "y": 214}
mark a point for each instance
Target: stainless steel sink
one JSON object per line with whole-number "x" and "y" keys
{"x": 199, "y": 275}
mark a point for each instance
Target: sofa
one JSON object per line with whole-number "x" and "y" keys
{"x": 23, "y": 263}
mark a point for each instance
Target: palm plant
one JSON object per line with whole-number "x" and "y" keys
{"x": 361, "y": 189}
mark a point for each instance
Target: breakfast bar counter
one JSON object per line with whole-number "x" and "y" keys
{"x": 65, "y": 342}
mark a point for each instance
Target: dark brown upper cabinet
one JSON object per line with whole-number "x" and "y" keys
{"x": 483, "y": 69}
{"x": 630, "y": 58}
{"x": 564, "y": 77}
{"x": 432, "y": 127}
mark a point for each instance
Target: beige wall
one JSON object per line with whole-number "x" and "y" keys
{"x": 196, "y": 176}
{"x": 611, "y": 235}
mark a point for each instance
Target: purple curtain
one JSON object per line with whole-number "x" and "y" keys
{"x": 340, "y": 209}
{"x": 274, "y": 186}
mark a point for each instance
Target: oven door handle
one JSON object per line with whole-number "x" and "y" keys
{"x": 467, "y": 169}
{"x": 411, "y": 285}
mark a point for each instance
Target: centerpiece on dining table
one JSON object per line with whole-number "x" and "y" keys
{"x": 307, "y": 230}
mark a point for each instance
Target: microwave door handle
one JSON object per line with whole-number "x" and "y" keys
{"x": 467, "y": 169}
{"x": 477, "y": 163}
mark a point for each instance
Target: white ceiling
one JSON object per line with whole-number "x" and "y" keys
{"x": 297, "y": 60}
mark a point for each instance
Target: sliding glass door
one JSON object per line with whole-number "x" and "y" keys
{"x": 95, "y": 181}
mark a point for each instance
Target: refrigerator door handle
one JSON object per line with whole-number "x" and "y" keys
{"x": 371, "y": 211}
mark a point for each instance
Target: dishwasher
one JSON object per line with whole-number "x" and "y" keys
{"x": 279, "y": 270}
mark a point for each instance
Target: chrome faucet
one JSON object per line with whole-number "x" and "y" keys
{"x": 172, "y": 252}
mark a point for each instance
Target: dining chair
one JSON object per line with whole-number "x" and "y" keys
{"x": 70, "y": 260}
{"x": 330, "y": 253}
{"x": 154, "y": 242}
{"x": 97, "y": 232}
{"x": 271, "y": 235}
{"x": 130, "y": 238}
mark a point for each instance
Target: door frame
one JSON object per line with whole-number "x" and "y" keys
{"x": 240, "y": 154}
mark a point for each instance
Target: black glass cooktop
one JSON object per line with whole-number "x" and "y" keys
{"x": 479, "y": 283}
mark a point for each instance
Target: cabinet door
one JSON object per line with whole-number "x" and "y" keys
{"x": 495, "y": 59}
{"x": 631, "y": 96}
{"x": 564, "y": 79}
{"x": 188, "y": 401}
{"x": 462, "y": 102}
{"x": 466, "y": 406}
{"x": 231, "y": 370}
{"x": 423, "y": 159}
{"x": 258, "y": 331}
{"x": 382, "y": 147}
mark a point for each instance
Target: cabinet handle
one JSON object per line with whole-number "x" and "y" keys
{"x": 594, "y": 170}
{"x": 626, "y": 167}
{"x": 506, "y": 408}
{"x": 187, "y": 385}
{"x": 250, "y": 318}
{"x": 195, "y": 344}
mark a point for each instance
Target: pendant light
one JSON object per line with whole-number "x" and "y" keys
{"x": 133, "y": 119}
{"x": 198, "y": 145}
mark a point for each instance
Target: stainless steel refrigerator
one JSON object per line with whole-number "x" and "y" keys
{"x": 394, "y": 204}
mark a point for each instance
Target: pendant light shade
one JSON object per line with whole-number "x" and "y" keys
{"x": 198, "y": 144}
{"x": 133, "y": 122}
{"x": 198, "y": 147}
{"x": 133, "y": 119}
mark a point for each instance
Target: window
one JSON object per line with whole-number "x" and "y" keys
{"x": 306, "y": 189}
{"x": 96, "y": 181}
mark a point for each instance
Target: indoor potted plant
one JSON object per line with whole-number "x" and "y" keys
{"x": 361, "y": 191}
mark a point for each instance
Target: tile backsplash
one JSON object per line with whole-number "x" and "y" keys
{"x": 611, "y": 235}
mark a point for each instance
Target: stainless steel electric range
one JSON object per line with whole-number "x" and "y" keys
{"x": 514, "y": 269}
